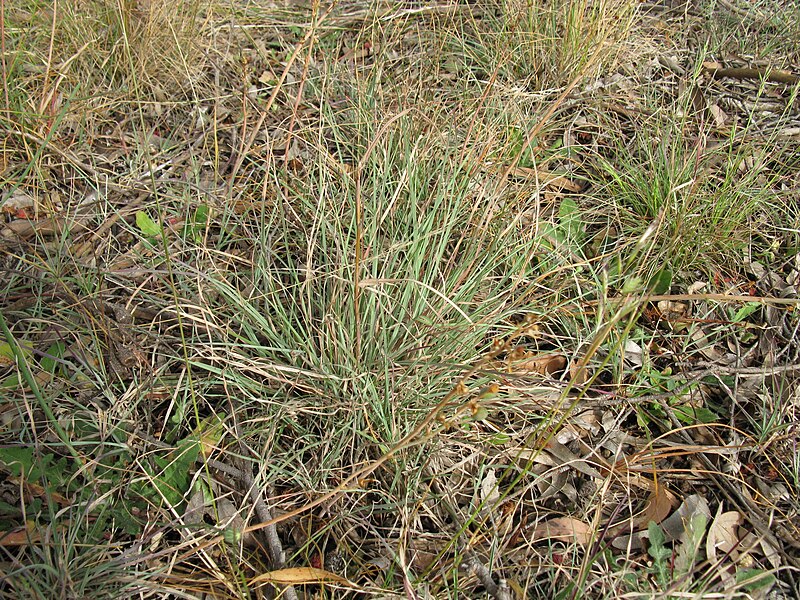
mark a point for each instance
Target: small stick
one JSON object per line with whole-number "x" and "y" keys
{"x": 497, "y": 591}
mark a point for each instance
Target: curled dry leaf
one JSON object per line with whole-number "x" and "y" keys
{"x": 566, "y": 529}
{"x": 523, "y": 362}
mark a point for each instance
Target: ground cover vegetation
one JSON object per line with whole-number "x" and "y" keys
{"x": 399, "y": 299}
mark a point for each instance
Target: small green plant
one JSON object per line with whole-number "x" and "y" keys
{"x": 565, "y": 239}
{"x": 660, "y": 554}
{"x": 148, "y": 227}
{"x": 658, "y": 382}
{"x": 171, "y": 474}
{"x": 49, "y": 472}
{"x": 197, "y": 224}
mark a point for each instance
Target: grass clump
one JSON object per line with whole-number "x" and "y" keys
{"x": 534, "y": 46}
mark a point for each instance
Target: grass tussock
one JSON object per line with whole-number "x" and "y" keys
{"x": 390, "y": 298}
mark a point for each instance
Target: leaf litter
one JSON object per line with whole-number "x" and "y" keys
{"x": 567, "y": 440}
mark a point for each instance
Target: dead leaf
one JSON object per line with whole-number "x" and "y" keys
{"x": 718, "y": 115}
{"x": 659, "y": 505}
{"x": 675, "y": 525}
{"x": 299, "y": 576}
{"x": 542, "y": 364}
{"x": 20, "y": 536}
{"x": 489, "y": 491}
{"x": 705, "y": 346}
{"x": 566, "y": 529}
{"x": 722, "y": 535}
{"x": 632, "y": 353}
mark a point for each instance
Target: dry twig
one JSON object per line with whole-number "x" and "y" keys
{"x": 498, "y": 591}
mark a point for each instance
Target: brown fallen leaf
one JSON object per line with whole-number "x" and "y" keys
{"x": 57, "y": 225}
{"x": 299, "y": 576}
{"x": 659, "y": 505}
{"x": 722, "y": 535}
{"x": 542, "y": 364}
{"x": 20, "y": 536}
{"x": 566, "y": 529}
